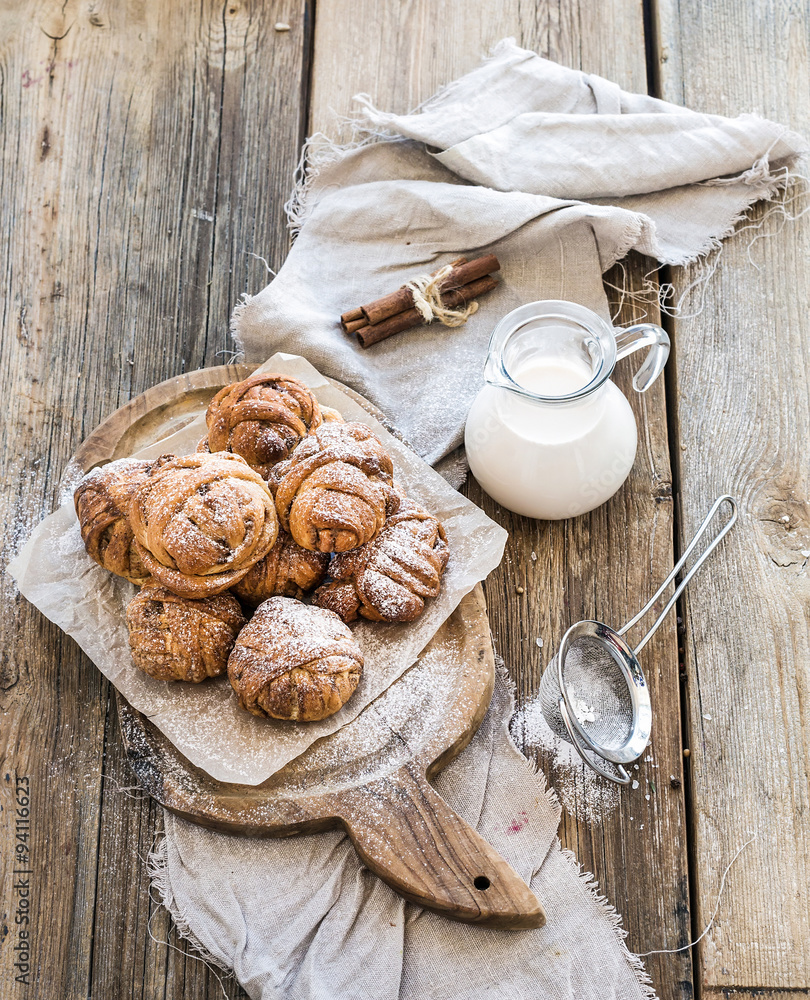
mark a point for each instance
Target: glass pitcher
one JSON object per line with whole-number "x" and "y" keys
{"x": 549, "y": 435}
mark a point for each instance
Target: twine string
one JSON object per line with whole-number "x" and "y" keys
{"x": 427, "y": 298}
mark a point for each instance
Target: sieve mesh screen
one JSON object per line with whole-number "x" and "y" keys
{"x": 598, "y": 690}
{"x": 596, "y": 682}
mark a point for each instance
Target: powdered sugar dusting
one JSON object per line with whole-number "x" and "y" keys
{"x": 414, "y": 719}
{"x": 581, "y": 791}
{"x": 297, "y": 632}
{"x": 204, "y": 721}
{"x": 71, "y": 478}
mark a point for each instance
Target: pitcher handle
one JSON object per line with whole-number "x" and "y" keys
{"x": 633, "y": 338}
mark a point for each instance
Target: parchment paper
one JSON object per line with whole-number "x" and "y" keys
{"x": 204, "y": 721}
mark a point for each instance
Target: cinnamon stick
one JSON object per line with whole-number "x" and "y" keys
{"x": 354, "y": 320}
{"x": 409, "y": 318}
{"x": 352, "y": 326}
{"x": 462, "y": 274}
{"x": 351, "y": 315}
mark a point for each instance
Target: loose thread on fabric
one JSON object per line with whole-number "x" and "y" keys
{"x": 707, "y": 928}
{"x": 625, "y": 295}
{"x": 258, "y": 256}
{"x": 134, "y": 792}
{"x": 232, "y": 357}
{"x": 789, "y": 186}
{"x": 157, "y": 864}
{"x": 427, "y": 298}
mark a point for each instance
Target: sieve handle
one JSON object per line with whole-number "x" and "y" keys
{"x": 623, "y": 779}
{"x": 679, "y": 566}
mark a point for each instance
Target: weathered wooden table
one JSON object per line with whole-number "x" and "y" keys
{"x": 148, "y": 149}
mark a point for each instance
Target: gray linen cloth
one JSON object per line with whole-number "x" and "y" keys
{"x": 302, "y": 918}
{"x": 501, "y": 160}
{"x": 560, "y": 174}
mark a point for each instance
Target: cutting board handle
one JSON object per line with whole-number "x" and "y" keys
{"x": 408, "y": 835}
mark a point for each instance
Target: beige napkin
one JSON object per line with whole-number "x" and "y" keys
{"x": 303, "y": 919}
{"x": 499, "y": 161}
{"x": 560, "y": 174}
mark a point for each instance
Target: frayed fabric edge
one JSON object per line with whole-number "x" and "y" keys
{"x": 320, "y": 152}
{"x": 763, "y": 190}
{"x": 587, "y": 878}
{"x": 157, "y": 870}
{"x": 236, "y": 320}
{"x": 660, "y": 295}
{"x": 615, "y": 920}
{"x": 317, "y": 152}
{"x": 638, "y": 227}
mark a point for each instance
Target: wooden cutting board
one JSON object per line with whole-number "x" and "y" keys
{"x": 372, "y": 775}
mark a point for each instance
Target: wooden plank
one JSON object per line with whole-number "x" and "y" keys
{"x": 605, "y": 564}
{"x": 743, "y": 420}
{"x": 130, "y": 212}
{"x": 401, "y": 53}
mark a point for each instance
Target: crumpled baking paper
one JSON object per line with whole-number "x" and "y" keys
{"x": 204, "y": 721}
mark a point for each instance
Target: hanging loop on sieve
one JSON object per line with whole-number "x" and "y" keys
{"x": 718, "y": 503}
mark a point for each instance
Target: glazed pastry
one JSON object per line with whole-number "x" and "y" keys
{"x": 262, "y": 419}
{"x": 294, "y": 661}
{"x": 335, "y": 490}
{"x": 102, "y": 500}
{"x": 389, "y": 578}
{"x": 287, "y": 570}
{"x": 200, "y": 522}
{"x": 176, "y": 639}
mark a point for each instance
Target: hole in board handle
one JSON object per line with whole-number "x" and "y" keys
{"x": 481, "y": 882}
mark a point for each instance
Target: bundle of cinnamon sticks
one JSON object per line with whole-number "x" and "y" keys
{"x": 396, "y": 312}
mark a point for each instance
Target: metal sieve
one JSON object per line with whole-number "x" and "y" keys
{"x": 593, "y": 693}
